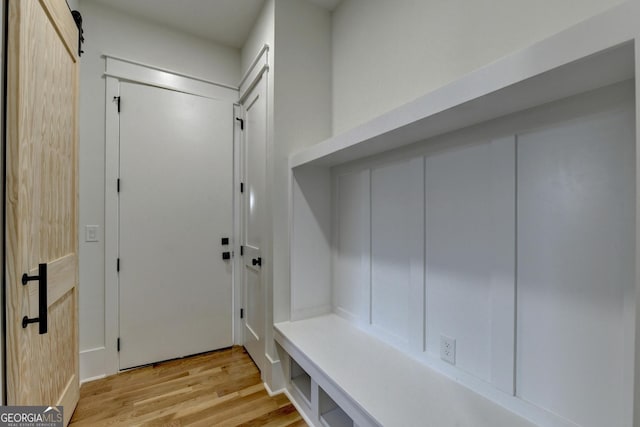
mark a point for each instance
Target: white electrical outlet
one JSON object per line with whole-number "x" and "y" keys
{"x": 448, "y": 349}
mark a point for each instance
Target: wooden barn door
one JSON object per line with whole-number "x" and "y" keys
{"x": 42, "y": 205}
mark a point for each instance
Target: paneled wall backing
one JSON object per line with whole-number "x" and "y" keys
{"x": 523, "y": 229}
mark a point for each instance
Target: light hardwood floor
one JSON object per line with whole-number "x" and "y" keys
{"x": 221, "y": 388}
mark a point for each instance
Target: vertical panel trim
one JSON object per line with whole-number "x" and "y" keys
{"x": 634, "y": 318}
{"x": 503, "y": 303}
{"x": 369, "y": 244}
{"x": 515, "y": 264}
{"x": 416, "y": 246}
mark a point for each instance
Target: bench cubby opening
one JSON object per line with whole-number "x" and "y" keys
{"x": 301, "y": 381}
{"x": 332, "y": 415}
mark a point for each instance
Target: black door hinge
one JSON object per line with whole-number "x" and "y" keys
{"x": 117, "y": 99}
{"x": 118, "y": 265}
{"x": 241, "y": 122}
{"x": 242, "y": 187}
{"x": 242, "y": 313}
{"x": 118, "y": 185}
{"x": 241, "y": 250}
{"x": 118, "y": 344}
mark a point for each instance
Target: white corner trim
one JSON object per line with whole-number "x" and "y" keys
{"x": 92, "y": 364}
{"x": 256, "y": 59}
{"x": 126, "y": 69}
{"x": 259, "y": 66}
{"x": 256, "y": 75}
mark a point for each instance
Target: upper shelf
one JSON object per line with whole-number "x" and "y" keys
{"x": 592, "y": 54}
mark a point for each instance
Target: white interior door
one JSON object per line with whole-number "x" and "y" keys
{"x": 254, "y": 159}
{"x": 176, "y": 160}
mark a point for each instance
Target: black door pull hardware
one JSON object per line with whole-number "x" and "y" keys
{"x": 224, "y": 241}
{"x": 226, "y": 255}
{"x": 257, "y": 261}
{"x": 42, "y": 299}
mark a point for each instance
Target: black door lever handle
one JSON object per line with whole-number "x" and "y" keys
{"x": 42, "y": 319}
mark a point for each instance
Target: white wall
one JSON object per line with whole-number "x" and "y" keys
{"x": 111, "y": 32}
{"x": 263, "y": 32}
{"x": 575, "y": 265}
{"x": 386, "y": 53}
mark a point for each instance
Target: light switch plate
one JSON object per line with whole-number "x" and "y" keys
{"x": 91, "y": 233}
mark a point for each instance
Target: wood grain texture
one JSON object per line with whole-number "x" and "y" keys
{"x": 63, "y": 22}
{"x": 41, "y": 201}
{"x": 221, "y": 388}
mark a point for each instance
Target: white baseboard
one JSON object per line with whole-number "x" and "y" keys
{"x": 88, "y": 380}
{"x": 92, "y": 364}
{"x": 272, "y": 393}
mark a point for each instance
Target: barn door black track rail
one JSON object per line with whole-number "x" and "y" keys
{"x": 77, "y": 17}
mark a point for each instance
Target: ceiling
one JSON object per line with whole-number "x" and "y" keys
{"x": 226, "y": 22}
{"x": 327, "y": 4}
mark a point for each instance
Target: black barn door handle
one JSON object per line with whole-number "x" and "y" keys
{"x": 42, "y": 299}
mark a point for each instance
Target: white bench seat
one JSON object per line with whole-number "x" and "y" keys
{"x": 376, "y": 384}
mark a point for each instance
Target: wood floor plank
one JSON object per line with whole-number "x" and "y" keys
{"x": 221, "y": 388}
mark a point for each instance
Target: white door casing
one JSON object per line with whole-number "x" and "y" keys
{"x": 176, "y": 169}
{"x": 118, "y": 70}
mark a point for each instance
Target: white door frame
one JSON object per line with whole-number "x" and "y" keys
{"x": 259, "y": 66}
{"x": 238, "y": 285}
{"x": 116, "y": 70}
